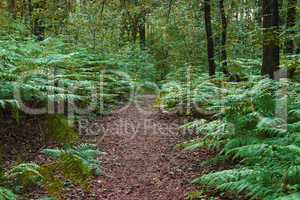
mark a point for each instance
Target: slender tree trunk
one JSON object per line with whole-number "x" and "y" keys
{"x": 258, "y": 13}
{"x": 30, "y": 10}
{"x": 209, "y": 35}
{"x": 280, "y": 18}
{"x": 123, "y": 29}
{"x": 134, "y": 32}
{"x": 276, "y": 24}
{"x": 23, "y": 10}
{"x": 134, "y": 27}
{"x": 290, "y": 24}
{"x": 223, "y": 37}
{"x": 12, "y": 6}
{"x": 38, "y": 29}
{"x": 142, "y": 31}
{"x": 169, "y": 10}
{"x": 270, "y": 38}
{"x": 35, "y": 22}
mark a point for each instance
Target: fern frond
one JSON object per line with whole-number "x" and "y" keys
{"x": 294, "y": 196}
{"x": 6, "y": 194}
{"x": 25, "y": 174}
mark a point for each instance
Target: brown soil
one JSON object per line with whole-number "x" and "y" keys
{"x": 21, "y": 140}
{"x": 142, "y": 161}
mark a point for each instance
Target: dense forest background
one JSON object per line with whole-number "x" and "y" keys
{"x": 171, "y": 34}
{"x": 231, "y": 67}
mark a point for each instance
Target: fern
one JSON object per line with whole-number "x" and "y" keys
{"x": 6, "y": 194}
{"x": 264, "y": 146}
{"x": 77, "y": 165}
{"x": 36, "y": 74}
{"x": 86, "y": 153}
{"x": 42, "y": 79}
{"x": 25, "y": 174}
{"x": 294, "y": 196}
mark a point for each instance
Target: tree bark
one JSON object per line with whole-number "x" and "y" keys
{"x": 281, "y": 19}
{"x": 209, "y": 36}
{"x": 271, "y": 50}
{"x": 134, "y": 31}
{"x": 223, "y": 37}
{"x": 169, "y": 10}
{"x": 142, "y": 31}
{"x": 290, "y": 24}
{"x": 38, "y": 28}
{"x": 30, "y": 10}
{"x": 12, "y": 7}
{"x": 258, "y": 13}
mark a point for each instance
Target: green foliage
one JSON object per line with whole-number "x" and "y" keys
{"x": 196, "y": 195}
{"x": 59, "y": 130}
{"x": 6, "y": 194}
{"x": 86, "y": 153}
{"x": 25, "y": 174}
{"x": 256, "y": 128}
{"x": 74, "y": 164}
{"x": 86, "y": 42}
{"x": 51, "y": 72}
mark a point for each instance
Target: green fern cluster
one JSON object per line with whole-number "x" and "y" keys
{"x": 257, "y": 128}
{"x": 55, "y": 72}
{"x": 75, "y": 164}
{"x": 6, "y": 194}
{"x": 51, "y": 71}
{"x": 191, "y": 94}
{"x": 86, "y": 153}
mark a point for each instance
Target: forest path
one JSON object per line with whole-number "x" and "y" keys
{"x": 141, "y": 161}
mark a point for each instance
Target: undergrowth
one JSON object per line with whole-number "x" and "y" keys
{"x": 76, "y": 165}
{"x": 61, "y": 84}
{"x": 35, "y": 74}
{"x": 255, "y": 126}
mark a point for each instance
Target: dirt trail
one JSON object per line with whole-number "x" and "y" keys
{"x": 142, "y": 162}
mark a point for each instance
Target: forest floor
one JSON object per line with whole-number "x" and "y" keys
{"x": 142, "y": 161}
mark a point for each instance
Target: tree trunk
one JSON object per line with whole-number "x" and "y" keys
{"x": 280, "y": 18}
{"x": 210, "y": 40}
{"x": 258, "y": 13}
{"x": 123, "y": 29}
{"x": 12, "y": 7}
{"x": 30, "y": 10}
{"x": 223, "y": 37}
{"x": 142, "y": 31}
{"x": 271, "y": 51}
{"x": 23, "y": 10}
{"x": 38, "y": 28}
{"x": 134, "y": 32}
{"x": 290, "y": 24}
